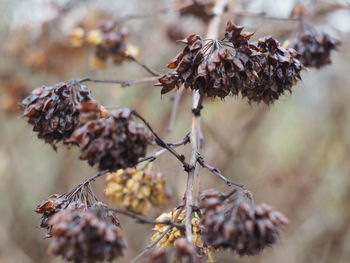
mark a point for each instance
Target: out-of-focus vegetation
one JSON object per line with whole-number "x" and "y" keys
{"x": 294, "y": 154}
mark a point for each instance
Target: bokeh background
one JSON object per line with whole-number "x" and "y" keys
{"x": 294, "y": 154}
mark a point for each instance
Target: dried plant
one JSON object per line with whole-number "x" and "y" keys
{"x": 116, "y": 140}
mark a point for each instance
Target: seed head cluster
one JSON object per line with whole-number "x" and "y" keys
{"x": 109, "y": 40}
{"x": 53, "y": 110}
{"x": 114, "y": 142}
{"x": 86, "y": 234}
{"x": 137, "y": 190}
{"x": 260, "y": 71}
{"x": 233, "y": 221}
{"x": 315, "y": 48}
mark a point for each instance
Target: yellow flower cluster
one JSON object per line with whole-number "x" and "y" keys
{"x": 169, "y": 238}
{"x": 136, "y": 190}
{"x": 79, "y": 37}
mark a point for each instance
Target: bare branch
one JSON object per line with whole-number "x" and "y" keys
{"x": 147, "y": 68}
{"x": 122, "y": 83}
{"x": 153, "y": 157}
{"x": 187, "y": 167}
{"x": 216, "y": 172}
{"x": 142, "y": 220}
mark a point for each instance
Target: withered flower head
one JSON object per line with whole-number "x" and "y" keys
{"x": 110, "y": 42}
{"x": 233, "y": 221}
{"x": 278, "y": 72}
{"x": 114, "y": 142}
{"x": 86, "y": 235}
{"x": 137, "y": 190}
{"x": 315, "y": 48}
{"x": 217, "y": 68}
{"x": 49, "y": 207}
{"x": 53, "y": 110}
{"x": 182, "y": 251}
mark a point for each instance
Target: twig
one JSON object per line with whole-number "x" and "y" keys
{"x": 155, "y": 242}
{"x": 123, "y": 83}
{"x": 216, "y": 172}
{"x": 87, "y": 181}
{"x": 161, "y": 143}
{"x": 176, "y": 103}
{"x": 143, "y": 220}
{"x": 153, "y": 157}
{"x": 147, "y": 68}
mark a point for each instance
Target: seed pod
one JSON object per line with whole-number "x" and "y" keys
{"x": 86, "y": 235}
{"x": 233, "y": 221}
{"x": 137, "y": 190}
{"x": 115, "y": 142}
{"x": 53, "y": 110}
{"x": 315, "y": 48}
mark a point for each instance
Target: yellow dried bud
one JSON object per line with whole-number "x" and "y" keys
{"x": 136, "y": 189}
{"x": 94, "y": 37}
{"x": 132, "y": 50}
{"x": 103, "y": 111}
{"x": 169, "y": 238}
{"x": 77, "y": 37}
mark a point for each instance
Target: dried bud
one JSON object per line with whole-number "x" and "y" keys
{"x": 87, "y": 235}
{"x": 53, "y": 110}
{"x": 136, "y": 190}
{"x": 233, "y": 221}
{"x": 115, "y": 142}
{"x": 315, "y": 49}
{"x": 77, "y": 37}
{"x": 49, "y": 207}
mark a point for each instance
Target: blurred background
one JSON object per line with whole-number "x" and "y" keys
{"x": 293, "y": 155}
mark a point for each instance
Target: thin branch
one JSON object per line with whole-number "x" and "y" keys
{"x": 175, "y": 107}
{"x": 87, "y": 181}
{"x": 217, "y": 172}
{"x": 147, "y": 68}
{"x": 153, "y": 157}
{"x": 164, "y": 145}
{"x": 122, "y": 83}
{"x": 142, "y": 220}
